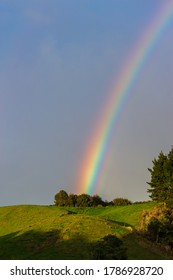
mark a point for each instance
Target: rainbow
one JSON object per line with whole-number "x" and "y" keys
{"x": 92, "y": 165}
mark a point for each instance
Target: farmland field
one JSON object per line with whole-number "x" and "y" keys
{"x": 51, "y": 232}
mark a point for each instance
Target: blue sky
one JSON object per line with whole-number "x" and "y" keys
{"x": 59, "y": 59}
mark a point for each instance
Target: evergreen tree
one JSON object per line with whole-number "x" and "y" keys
{"x": 161, "y": 184}
{"x": 169, "y": 185}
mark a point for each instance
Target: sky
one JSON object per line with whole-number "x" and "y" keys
{"x": 59, "y": 60}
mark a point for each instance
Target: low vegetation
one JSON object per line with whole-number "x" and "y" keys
{"x": 157, "y": 225}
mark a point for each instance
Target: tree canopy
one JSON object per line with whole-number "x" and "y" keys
{"x": 161, "y": 184}
{"x": 74, "y": 200}
{"x": 86, "y": 200}
{"x": 61, "y": 198}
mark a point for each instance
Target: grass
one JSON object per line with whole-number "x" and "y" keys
{"x": 50, "y": 232}
{"x": 127, "y": 215}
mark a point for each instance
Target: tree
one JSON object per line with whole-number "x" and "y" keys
{"x": 61, "y": 198}
{"x": 96, "y": 200}
{"x": 72, "y": 200}
{"x": 161, "y": 184}
{"x": 84, "y": 200}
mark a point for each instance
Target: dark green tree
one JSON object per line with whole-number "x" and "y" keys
{"x": 84, "y": 200}
{"x": 72, "y": 200}
{"x": 61, "y": 198}
{"x": 161, "y": 184}
{"x": 169, "y": 185}
{"x": 97, "y": 200}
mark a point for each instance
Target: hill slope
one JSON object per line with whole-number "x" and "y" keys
{"x": 50, "y": 232}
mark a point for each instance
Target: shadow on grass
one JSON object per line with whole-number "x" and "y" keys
{"x": 140, "y": 248}
{"x": 119, "y": 223}
{"x": 29, "y": 245}
{"x": 43, "y": 245}
{"x": 50, "y": 245}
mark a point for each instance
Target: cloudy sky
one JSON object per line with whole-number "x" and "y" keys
{"x": 58, "y": 61}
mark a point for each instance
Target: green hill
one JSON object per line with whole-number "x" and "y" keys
{"x": 51, "y": 232}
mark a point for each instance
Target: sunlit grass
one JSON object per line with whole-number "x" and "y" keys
{"x": 50, "y": 232}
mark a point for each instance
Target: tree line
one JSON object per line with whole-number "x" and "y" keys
{"x": 62, "y": 198}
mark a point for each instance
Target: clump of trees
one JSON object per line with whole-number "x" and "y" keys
{"x": 74, "y": 200}
{"x": 86, "y": 200}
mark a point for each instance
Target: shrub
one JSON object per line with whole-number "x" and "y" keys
{"x": 121, "y": 201}
{"x": 109, "y": 248}
{"x": 153, "y": 229}
{"x": 157, "y": 225}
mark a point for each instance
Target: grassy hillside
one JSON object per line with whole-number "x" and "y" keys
{"x": 126, "y": 215}
{"x": 50, "y": 232}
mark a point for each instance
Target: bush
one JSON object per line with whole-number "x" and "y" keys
{"x": 157, "y": 225}
{"x": 121, "y": 201}
{"x": 109, "y": 248}
{"x": 153, "y": 229}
